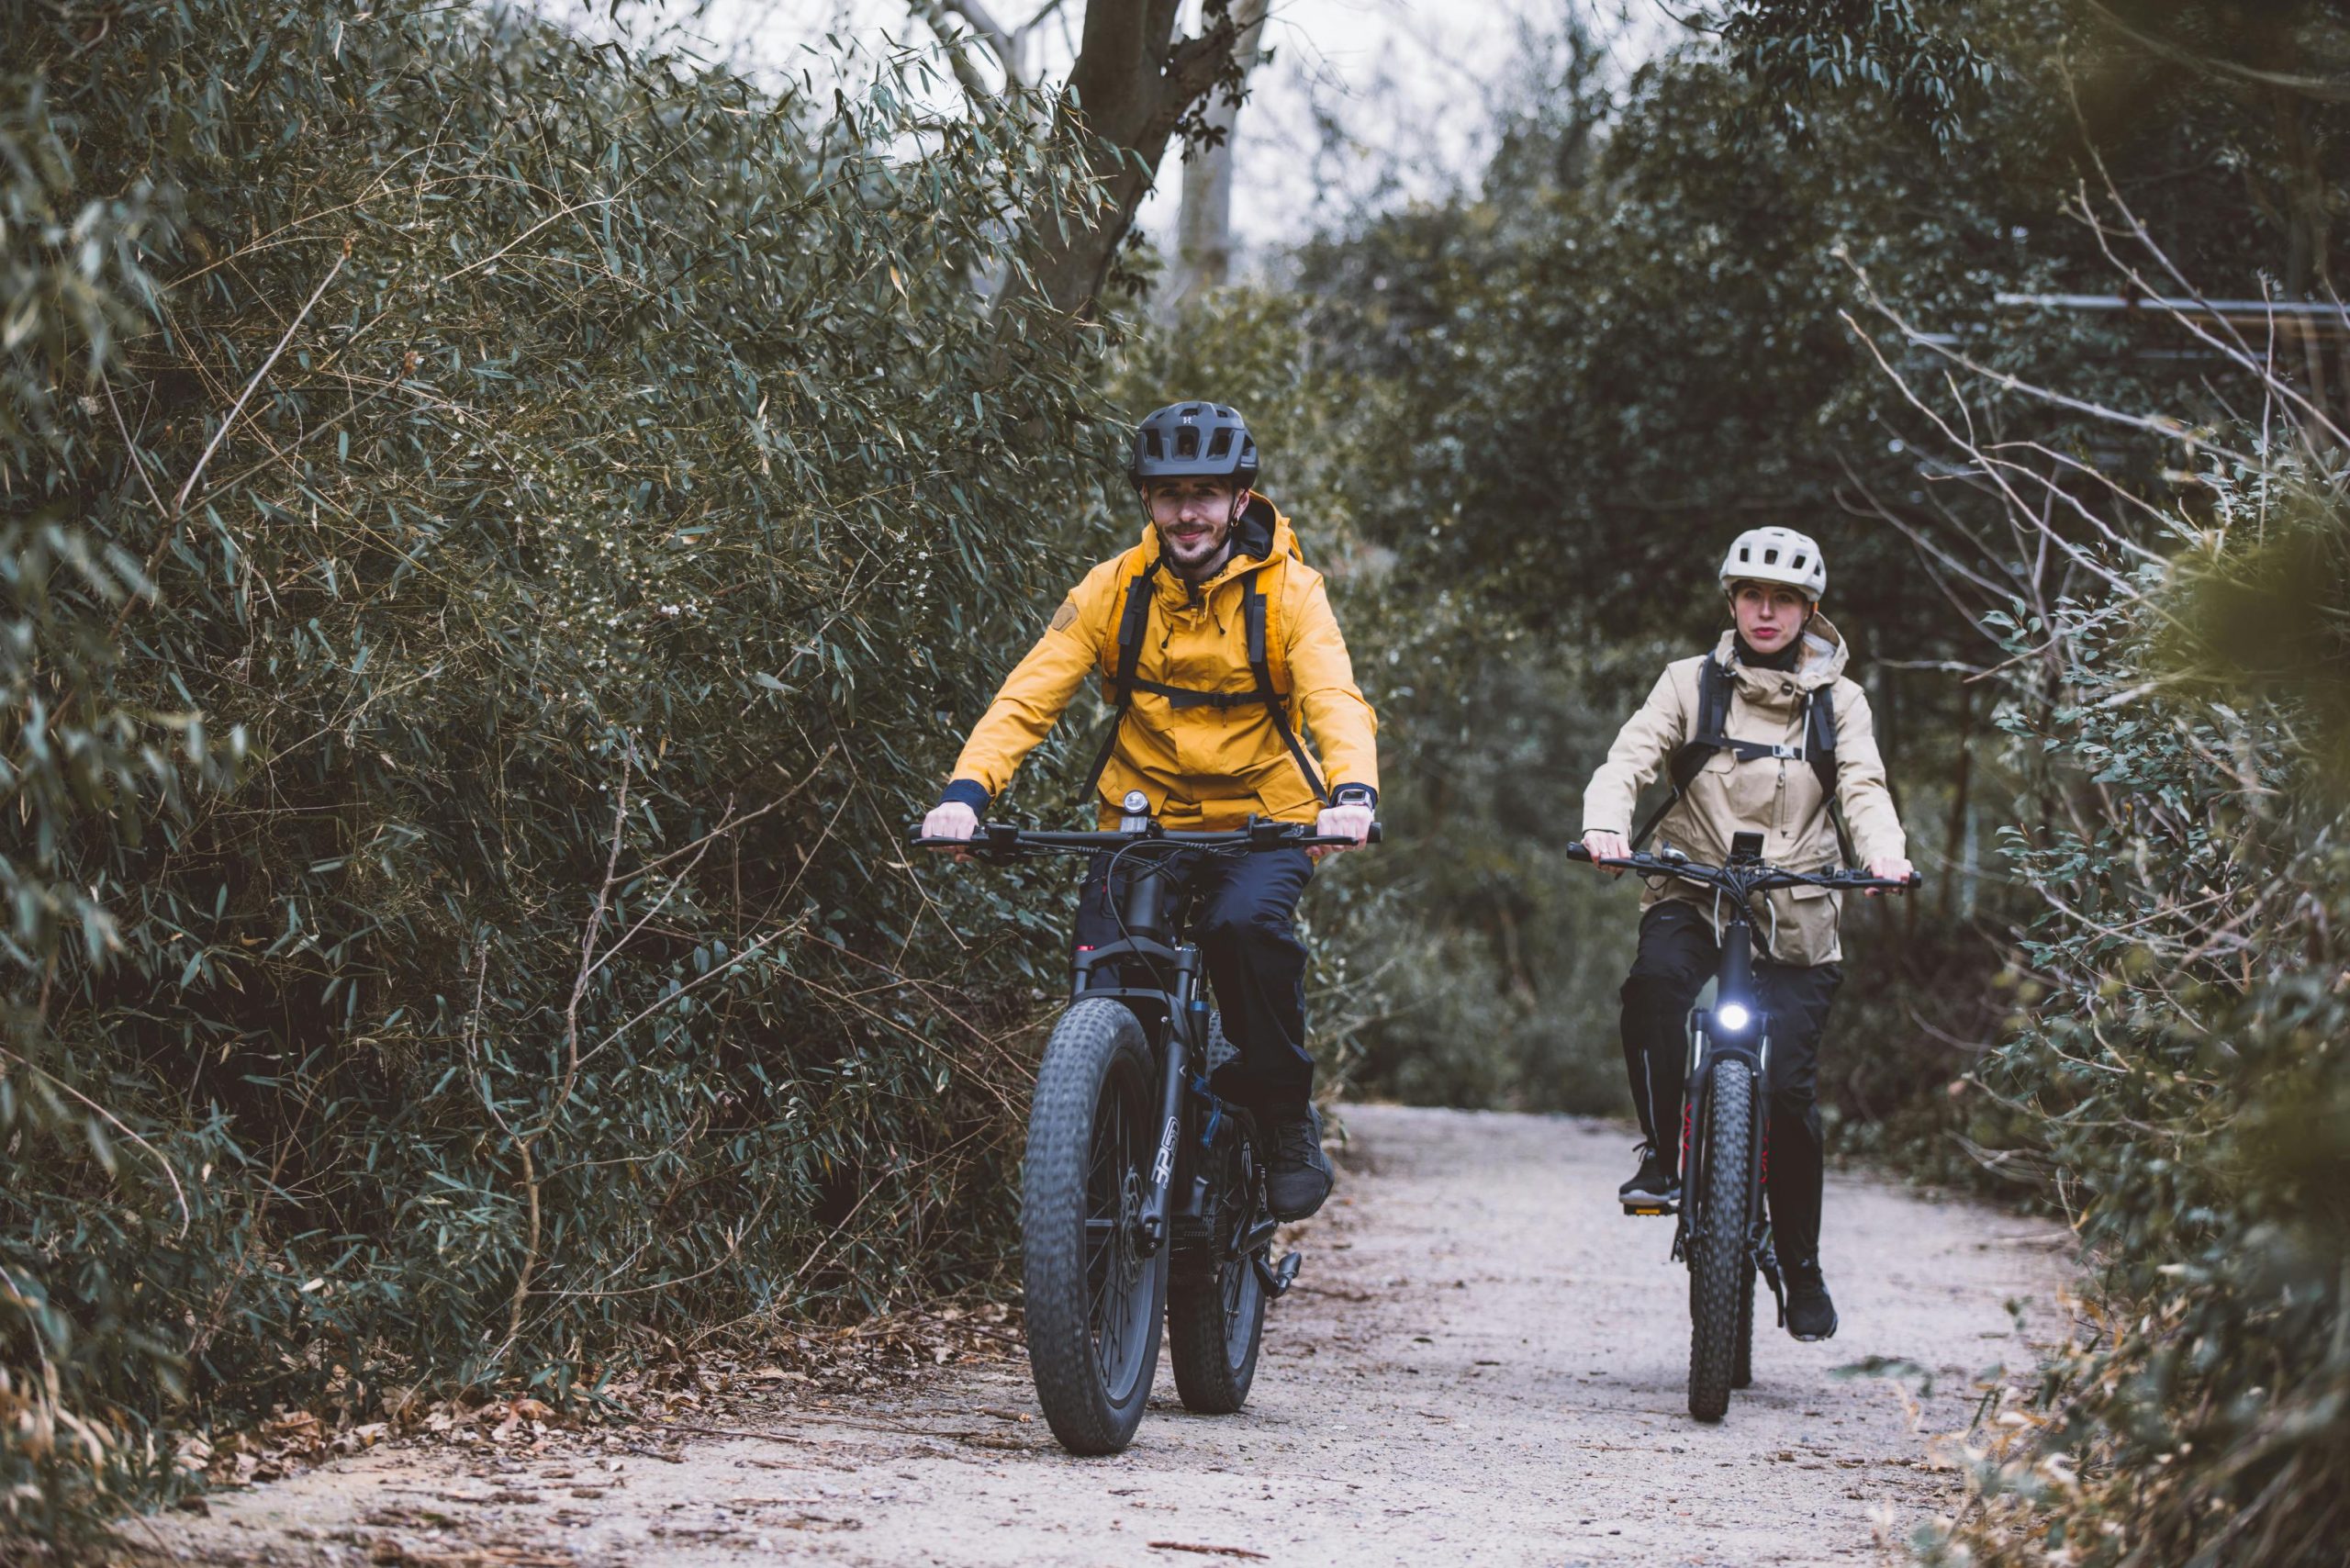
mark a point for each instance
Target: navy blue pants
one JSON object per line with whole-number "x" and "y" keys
{"x": 1677, "y": 955}
{"x": 1241, "y": 909}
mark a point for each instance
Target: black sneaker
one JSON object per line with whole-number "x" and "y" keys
{"x": 1301, "y": 1176}
{"x": 1654, "y": 1187}
{"x": 1811, "y": 1312}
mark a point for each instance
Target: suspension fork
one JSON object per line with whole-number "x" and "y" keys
{"x": 1737, "y": 979}
{"x": 1733, "y": 981}
{"x": 1172, "y": 1090}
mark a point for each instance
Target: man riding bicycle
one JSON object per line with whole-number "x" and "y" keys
{"x": 1213, "y": 640}
{"x": 1765, "y": 735}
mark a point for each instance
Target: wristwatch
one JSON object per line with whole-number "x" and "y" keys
{"x": 1354, "y": 795}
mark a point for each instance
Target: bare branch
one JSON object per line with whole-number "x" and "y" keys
{"x": 939, "y": 15}
{"x": 179, "y": 502}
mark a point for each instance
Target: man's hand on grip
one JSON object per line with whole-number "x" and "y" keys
{"x": 951, "y": 819}
{"x": 1348, "y": 819}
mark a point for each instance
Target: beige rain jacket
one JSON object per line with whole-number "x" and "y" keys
{"x": 1780, "y": 798}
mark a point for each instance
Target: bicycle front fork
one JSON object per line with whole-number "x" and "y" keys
{"x": 1187, "y": 1021}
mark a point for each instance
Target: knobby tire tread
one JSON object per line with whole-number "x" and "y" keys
{"x": 1741, "y": 1372}
{"x": 1088, "y": 1043}
{"x": 1719, "y": 1256}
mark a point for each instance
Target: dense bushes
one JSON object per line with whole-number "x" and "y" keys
{"x": 497, "y": 534}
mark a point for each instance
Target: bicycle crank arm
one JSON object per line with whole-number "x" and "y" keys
{"x": 1277, "y": 1278}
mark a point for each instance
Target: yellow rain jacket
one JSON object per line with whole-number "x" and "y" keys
{"x": 1206, "y": 765}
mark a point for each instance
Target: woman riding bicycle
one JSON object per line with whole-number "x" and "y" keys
{"x": 1769, "y": 740}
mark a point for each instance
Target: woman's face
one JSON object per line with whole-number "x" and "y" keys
{"x": 1769, "y": 614}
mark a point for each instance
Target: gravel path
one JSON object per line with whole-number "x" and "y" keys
{"x": 1482, "y": 1363}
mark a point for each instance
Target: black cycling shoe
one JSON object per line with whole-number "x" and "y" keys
{"x": 1811, "y": 1313}
{"x": 1300, "y": 1177}
{"x": 1654, "y": 1187}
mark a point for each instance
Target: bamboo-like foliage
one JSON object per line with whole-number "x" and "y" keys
{"x": 493, "y": 533}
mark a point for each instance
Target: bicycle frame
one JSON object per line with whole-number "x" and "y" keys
{"x": 1183, "y": 1032}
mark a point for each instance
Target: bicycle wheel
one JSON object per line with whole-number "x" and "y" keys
{"x": 1096, "y": 1295}
{"x": 1215, "y": 1298}
{"x": 1717, "y": 1254}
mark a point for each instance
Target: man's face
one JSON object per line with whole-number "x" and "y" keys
{"x": 1194, "y": 518}
{"x": 1769, "y": 614}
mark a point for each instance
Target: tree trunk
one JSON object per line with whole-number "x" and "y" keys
{"x": 1203, "y": 229}
{"x": 1132, "y": 86}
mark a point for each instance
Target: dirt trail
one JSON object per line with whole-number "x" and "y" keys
{"x": 1483, "y": 1363}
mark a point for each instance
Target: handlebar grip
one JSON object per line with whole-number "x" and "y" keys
{"x": 1374, "y": 836}
{"x": 1575, "y": 851}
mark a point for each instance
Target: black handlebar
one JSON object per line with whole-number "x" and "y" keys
{"x": 1753, "y": 876}
{"x": 1004, "y": 838}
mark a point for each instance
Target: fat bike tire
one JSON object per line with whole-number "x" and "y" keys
{"x": 1215, "y": 1298}
{"x": 1095, "y": 1298}
{"x": 1718, "y": 1259}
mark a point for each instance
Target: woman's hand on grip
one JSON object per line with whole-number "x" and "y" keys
{"x": 1605, "y": 847}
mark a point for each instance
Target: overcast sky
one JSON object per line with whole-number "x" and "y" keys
{"x": 1363, "y": 100}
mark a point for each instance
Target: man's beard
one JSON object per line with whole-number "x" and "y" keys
{"x": 1208, "y": 547}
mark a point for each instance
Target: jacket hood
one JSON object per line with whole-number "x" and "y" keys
{"x": 1824, "y": 656}
{"x": 1263, "y": 534}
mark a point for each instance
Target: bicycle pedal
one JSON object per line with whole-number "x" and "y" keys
{"x": 1652, "y": 1209}
{"x": 1277, "y": 1278}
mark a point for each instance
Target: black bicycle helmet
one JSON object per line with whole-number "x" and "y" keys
{"x": 1193, "y": 440}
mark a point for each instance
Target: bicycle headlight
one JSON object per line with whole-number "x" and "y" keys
{"x": 1732, "y": 1018}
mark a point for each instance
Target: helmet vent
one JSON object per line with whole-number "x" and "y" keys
{"x": 1220, "y": 443}
{"x": 1770, "y": 557}
{"x": 1797, "y": 564}
{"x": 1187, "y": 443}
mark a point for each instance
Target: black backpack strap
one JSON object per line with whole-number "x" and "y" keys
{"x": 1820, "y": 747}
{"x": 1134, "y": 622}
{"x": 1276, "y": 705}
{"x": 1706, "y": 738}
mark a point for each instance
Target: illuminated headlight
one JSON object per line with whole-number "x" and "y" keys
{"x": 1732, "y": 1018}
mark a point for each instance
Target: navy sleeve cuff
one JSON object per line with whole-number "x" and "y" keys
{"x": 965, "y": 792}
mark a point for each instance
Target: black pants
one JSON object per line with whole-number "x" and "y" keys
{"x": 1677, "y": 955}
{"x": 1242, "y": 912}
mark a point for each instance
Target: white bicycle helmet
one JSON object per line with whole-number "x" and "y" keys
{"x": 1776, "y": 556}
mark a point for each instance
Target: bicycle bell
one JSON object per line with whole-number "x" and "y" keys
{"x": 1137, "y": 807}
